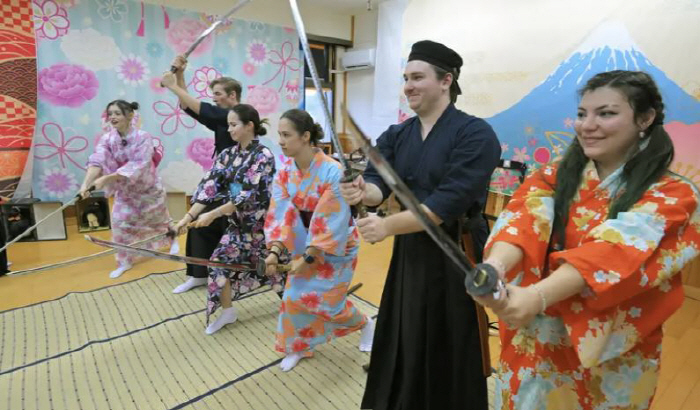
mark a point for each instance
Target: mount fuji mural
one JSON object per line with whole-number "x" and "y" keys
{"x": 539, "y": 127}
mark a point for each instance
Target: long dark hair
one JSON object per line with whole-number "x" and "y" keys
{"x": 303, "y": 122}
{"x": 247, "y": 113}
{"x": 640, "y": 172}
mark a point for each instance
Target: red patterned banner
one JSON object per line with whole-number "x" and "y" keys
{"x": 17, "y": 90}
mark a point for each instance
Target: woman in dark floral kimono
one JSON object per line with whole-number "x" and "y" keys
{"x": 241, "y": 176}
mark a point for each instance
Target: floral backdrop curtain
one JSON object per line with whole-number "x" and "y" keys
{"x": 17, "y": 90}
{"x": 91, "y": 52}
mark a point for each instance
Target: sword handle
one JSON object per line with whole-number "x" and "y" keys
{"x": 262, "y": 267}
{"x": 91, "y": 189}
{"x": 350, "y": 175}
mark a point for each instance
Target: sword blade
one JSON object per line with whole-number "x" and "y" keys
{"x": 166, "y": 256}
{"x": 474, "y": 278}
{"x": 214, "y": 25}
{"x": 303, "y": 39}
{"x": 33, "y": 227}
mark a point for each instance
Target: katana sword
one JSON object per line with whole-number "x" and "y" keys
{"x": 83, "y": 259}
{"x": 33, "y": 227}
{"x": 211, "y": 29}
{"x": 259, "y": 267}
{"x": 349, "y": 174}
{"x": 480, "y": 280}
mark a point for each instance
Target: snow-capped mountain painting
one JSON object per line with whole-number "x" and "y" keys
{"x": 539, "y": 127}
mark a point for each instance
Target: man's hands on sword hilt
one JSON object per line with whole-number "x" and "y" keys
{"x": 177, "y": 69}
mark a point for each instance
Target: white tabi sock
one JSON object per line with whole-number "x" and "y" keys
{"x": 175, "y": 248}
{"x": 227, "y": 316}
{"x": 189, "y": 284}
{"x": 118, "y": 272}
{"x": 367, "y": 336}
{"x": 290, "y": 361}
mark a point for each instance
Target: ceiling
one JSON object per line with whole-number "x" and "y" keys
{"x": 348, "y": 7}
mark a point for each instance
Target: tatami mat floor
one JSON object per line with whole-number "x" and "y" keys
{"x": 138, "y": 346}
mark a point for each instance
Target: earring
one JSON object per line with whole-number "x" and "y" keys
{"x": 641, "y": 135}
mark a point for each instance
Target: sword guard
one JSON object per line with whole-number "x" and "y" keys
{"x": 482, "y": 280}
{"x": 262, "y": 268}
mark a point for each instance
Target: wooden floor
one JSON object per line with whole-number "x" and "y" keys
{"x": 678, "y": 389}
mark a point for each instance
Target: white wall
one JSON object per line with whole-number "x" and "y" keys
{"x": 361, "y": 82}
{"x": 318, "y": 21}
{"x": 373, "y": 95}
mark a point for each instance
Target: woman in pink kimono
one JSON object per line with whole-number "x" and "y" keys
{"x": 123, "y": 164}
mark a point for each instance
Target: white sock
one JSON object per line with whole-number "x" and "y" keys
{"x": 227, "y": 316}
{"x": 290, "y": 361}
{"x": 367, "y": 336}
{"x": 175, "y": 248}
{"x": 118, "y": 272}
{"x": 189, "y": 284}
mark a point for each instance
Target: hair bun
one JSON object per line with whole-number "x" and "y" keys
{"x": 317, "y": 132}
{"x": 134, "y": 105}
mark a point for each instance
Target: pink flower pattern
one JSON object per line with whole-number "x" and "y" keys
{"x": 182, "y": 34}
{"x": 200, "y": 150}
{"x": 286, "y": 60}
{"x": 174, "y": 117}
{"x": 506, "y": 180}
{"x": 520, "y": 154}
{"x": 50, "y": 19}
{"x": 265, "y": 99}
{"x": 249, "y": 69}
{"x": 57, "y": 144}
{"x": 67, "y": 85}
{"x": 257, "y": 52}
{"x": 201, "y": 79}
{"x": 58, "y": 183}
{"x": 292, "y": 90}
{"x": 133, "y": 70}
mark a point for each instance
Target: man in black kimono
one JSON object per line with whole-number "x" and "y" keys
{"x": 426, "y": 353}
{"x": 201, "y": 242}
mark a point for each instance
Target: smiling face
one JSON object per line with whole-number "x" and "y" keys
{"x": 606, "y": 126}
{"x": 422, "y": 87}
{"x": 222, "y": 98}
{"x": 116, "y": 117}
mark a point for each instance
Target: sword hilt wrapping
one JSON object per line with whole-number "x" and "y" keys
{"x": 262, "y": 267}
{"x": 349, "y": 175}
{"x": 482, "y": 280}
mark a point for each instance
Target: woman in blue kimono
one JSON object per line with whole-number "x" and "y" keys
{"x": 310, "y": 220}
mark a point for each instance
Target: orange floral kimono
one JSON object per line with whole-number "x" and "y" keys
{"x": 599, "y": 349}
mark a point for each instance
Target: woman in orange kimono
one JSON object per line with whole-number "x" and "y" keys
{"x": 591, "y": 248}
{"x": 310, "y": 220}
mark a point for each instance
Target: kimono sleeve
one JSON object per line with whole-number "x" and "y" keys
{"x": 468, "y": 172}
{"x": 140, "y": 157}
{"x": 102, "y": 157}
{"x": 210, "y": 188}
{"x": 641, "y": 248}
{"x": 330, "y": 222}
{"x": 255, "y": 189}
{"x": 527, "y": 221}
{"x": 283, "y": 221}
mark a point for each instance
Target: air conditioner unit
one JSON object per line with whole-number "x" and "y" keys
{"x": 358, "y": 59}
